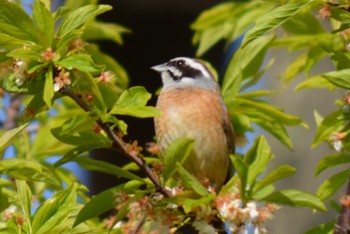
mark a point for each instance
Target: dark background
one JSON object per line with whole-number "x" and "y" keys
{"x": 160, "y": 31}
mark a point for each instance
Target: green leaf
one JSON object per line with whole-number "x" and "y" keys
{"x": 8, "y": 136}
{"x": 48, "y": 88}
{"x": 191, "y": 204}
{"x": 293, "y": 197}
{"x": 25, "y": 53}
{"x": 211, "y": 36}
{"x": 277, "y": 130}
{"x": 325, "y": 228}
{"x": 23, "y": 169}
{"x": 54, "y": 210}
{"x": 256, "y": 94}
{"x": 105, "y": 201}
{"x": 273, "y": 19}
{"x": 273, "y": 111}
{"x": 331, "y": 161}
{"x": 132, "y": 102}
{"x": 111, "y": 64}
{"x": 79, "y": 17}
{"x": 315, "y": 82}
{"x": 242, "y": 170}
{"x": 105, "y": 31}
{"x": 82, "y": 62}
{"x": 190, "y": 181}
{"x": 303, "y": 23}
{"x": 214, "y": 16}
{"x": 339, "y": 78}
{"x": 104, "y": 167}
{"x": 332, "y": 185}
{"x": 26, "y": 199}
{"x": 7, "y": 41}
{"x": 257, "y": 159}
{"x": 177, "y": 152}
{"x": 16, "y": 23}
{"x": 295, "y": 67}
{"x": 245, "y": 63}
{"x": 329, "y": 125}
{"x": 44, "y": 21}
{"x": 72, "y": 154}
{"x": 78, "y": 131}
{"x": 277, "y": 174}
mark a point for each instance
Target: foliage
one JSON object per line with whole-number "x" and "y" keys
{"x": 73, "y": 94}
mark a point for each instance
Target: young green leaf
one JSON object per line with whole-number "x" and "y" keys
{"x": 48, "y": 88}
{"x": 132, "y": 102}
{"x": 105, "y": 201}
{"x": 177, "y": 151}
{"x": 242, "y": 170}
{"x": 331, "y": 161}
{"x": 7, "y": 137}
{"x": 105, "y": 31}
{"x": 26, "y": 199}
{"x": 293, "y": 197}
{"x": 277, "y": 174}
{"x": 329, "y": 125}
{"x": 72, "y": 154}
{"x": 44, "y": 20}
{"x": 297, "y": 25}
{"x": 275, "y": 18}
{"x": 273, "y": 111}
{"x": 79, "y": 17}
{"x": 15, "y": 22}
{"x": 332, "y": 185}
{"x": 81, "y": 62}
{"x": 24, "y": 169}
{"x": 339, "y": 78}
{"x": 54, "y": 210}
{"x": 121, "y": 76}
{"x": 9, "y": 42}
{"x": 104, "y": 167}
{"x": 262, "y": 155}
{"x": 315, "y": 82}
{"x": 276, "y": 129}
{"x": 190, "y": 181}
{"x": 190, "y": 204}
{"x": 78, "y": 131}
{"x": 245, "y": 63}
{"x": 325, "y": 228}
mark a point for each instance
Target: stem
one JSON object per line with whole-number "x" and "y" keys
{"x": 12, "y": 111}
{"x": 343, "y": 223}
{"x": 120, "y": 145}
{"x": 139, "y": 224}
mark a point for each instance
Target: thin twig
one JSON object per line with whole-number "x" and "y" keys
{"x": 343, "y": 224}
{"x": 12, "y": 111}
{"x": 139, "y": 224}
{"x": 120, "y": 145}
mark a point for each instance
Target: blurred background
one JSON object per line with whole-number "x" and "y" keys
{"x": 160, "y": 31}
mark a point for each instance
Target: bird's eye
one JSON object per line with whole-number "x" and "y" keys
{"x": 180, "y": 63}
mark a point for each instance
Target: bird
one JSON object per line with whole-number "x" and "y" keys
{"x": 191, "y": 106}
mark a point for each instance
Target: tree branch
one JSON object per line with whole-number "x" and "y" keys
{"x": 12, "y": 111}
{"x": 120, "y": 145}
{"x": 343, "y": 224}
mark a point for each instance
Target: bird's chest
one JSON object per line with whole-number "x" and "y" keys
{"x": 188, "y": 113}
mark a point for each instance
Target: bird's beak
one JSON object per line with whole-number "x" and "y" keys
{"x": 160, "y": 67}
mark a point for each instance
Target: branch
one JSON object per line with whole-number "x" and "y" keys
{"x": 120, "y": 145}
{"x": 12, "y": 112}
{"x": 343, "y": 223}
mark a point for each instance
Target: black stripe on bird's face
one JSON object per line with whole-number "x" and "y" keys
{"x": 179, "y": 69}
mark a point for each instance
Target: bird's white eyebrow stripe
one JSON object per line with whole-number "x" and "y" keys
{"x": 196, "y": 65}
